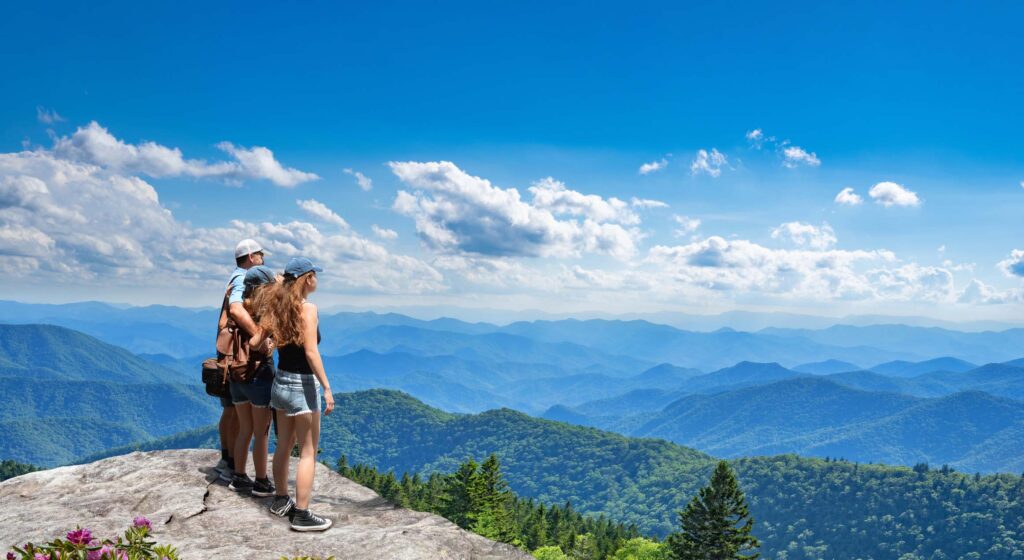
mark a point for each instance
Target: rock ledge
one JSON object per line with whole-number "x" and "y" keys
{"x": 194, "y": 511}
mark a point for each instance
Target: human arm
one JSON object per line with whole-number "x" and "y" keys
{"x": 310, "y": 323}
{"x": 242, "y": 318}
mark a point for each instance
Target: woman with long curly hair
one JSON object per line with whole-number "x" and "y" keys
{"x": 296, "y": 392}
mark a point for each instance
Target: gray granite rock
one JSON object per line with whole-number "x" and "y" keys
{"x": 192, "y": 510}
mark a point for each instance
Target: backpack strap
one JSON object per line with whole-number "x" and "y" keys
{"x": 224, "y": 321}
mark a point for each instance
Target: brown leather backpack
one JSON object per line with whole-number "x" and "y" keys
{"x": 232, "y": 362}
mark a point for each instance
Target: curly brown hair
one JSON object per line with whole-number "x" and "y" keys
{"x": 282, "y": 311}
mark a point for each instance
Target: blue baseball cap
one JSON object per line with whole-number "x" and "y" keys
{"x": 259, "y": 275}
{"x": 298, "y": 266}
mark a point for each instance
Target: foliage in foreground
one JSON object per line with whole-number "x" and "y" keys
{"x": 716, "y": 522}
{"x": 11, "y": 469}
{"x": 81, "y": 545}
{"x": 476, "y": 497}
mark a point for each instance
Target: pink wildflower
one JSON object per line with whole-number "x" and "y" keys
{"x": 141, "y": 521}
{"x": 80, "y": 536}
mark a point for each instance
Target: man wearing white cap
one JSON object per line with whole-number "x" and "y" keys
{"x": 248, "y": 253}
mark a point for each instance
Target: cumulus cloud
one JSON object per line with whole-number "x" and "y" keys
{"x": 806, "y": 235}
{"x": 48, "y": 116}
{"x": 653, "y": 166}
{"x": 320, "y": 211}
{"x": 795, "y": 156}
{"x": 95, "y": 145}
{"x": 721, "y": 265}
{"x": 363, "y": 181}
{"x": 686, "y": 224}
{"x": 756, "y": 138}
{"x": 1014, "y": 264}
{"x": 848, "y": 197}
{"x": 60, "y": 216}
{"x": 458, "y": 213}
{"x": 384, "y": 233}
{"x": 709, "y": 163}
{"x": 979, "y": 292}
{"x": 889, "y": 194}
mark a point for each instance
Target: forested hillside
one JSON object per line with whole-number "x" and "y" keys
{"x": 805, "y": 508}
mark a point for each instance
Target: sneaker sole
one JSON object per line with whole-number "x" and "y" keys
{"x": 313, "y": 528}
{"x": 234, "y": 488}
{"x": 284, "y": 513}
{"x": 263, "y": 494}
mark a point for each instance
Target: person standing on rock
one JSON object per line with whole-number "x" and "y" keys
{"x": 298, "y": 383}
{"x": 252, "y": 397}
{"x": 248, "y": 253}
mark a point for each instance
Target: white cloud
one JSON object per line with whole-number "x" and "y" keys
{"x": 320, "y": 211}
{"x": 458, "y": 213}
{"x": 708, "y": 162}
{"x": 1014, "y": 264}
{"x": 889, "y": 194}
{"x": 806, "y": 235}
{"x": 259, "y": 163}
{"x": 95, "y": 145}
{"x": 363, "y": 181}
{"x": 848, "y": 197}
{"x": 740, "y": 266}
{"x": 48, "y": 116}
{"x": 110, "y": 230}
{"x": 687, "y": 225}
{"x": 941, "y": 249}
{"x": 384, "y": 233}
{"x": 553, "y": 196}
{"x": 980, "y": 292}
{"x": 653, "y": 166}
{"x": 796, "y": 156}
{"x": 646, "y": 203}
{"x": 756, "y": 137}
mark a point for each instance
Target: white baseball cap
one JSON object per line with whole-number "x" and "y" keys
{"x": 247, "y": 247}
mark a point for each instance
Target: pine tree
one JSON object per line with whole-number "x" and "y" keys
{"x": 492, "y": 501}
{"x": 458, "y": 503}
{"x": 709, "y": 525}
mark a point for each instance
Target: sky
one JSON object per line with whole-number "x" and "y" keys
{"x": 566, "y": 158}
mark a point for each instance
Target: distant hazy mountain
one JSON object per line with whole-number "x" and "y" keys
{"x": 901, "y": 368}
{"x": 816, "y": 416}
{"x": 976, "y": 347}
{"x": 826, "y": 367}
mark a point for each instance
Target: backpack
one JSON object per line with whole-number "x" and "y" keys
{"x": 232, "y": 362}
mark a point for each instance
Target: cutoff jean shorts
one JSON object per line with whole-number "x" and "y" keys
{"x": 256, "y": 392}
{"x": 296, "y": 393}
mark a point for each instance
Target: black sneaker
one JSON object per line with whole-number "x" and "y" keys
{"x": 305, "y": 520}
{"x": 282, "y": 506}
{"x": 240, "y": 483}
{"x": 262, "y": 488}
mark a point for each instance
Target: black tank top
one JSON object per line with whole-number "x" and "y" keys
{"x": 292, "y": 357}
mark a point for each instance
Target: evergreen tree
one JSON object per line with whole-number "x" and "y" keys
{"x": 492, "y": 501}
{"x": 459, "y": 503}
{"x": 716, "y": 524}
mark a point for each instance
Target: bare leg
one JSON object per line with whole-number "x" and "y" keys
{"x": 261, "y": 433}
{"x": 244, "y": 417}
{"x": 227, "y": 443}
{"x": 283, "y": 451}
{"x": 307, "y": 438}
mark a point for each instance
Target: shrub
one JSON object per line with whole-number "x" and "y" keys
{"x": 80, "y": 544}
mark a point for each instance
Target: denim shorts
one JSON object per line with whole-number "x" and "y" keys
{"x": 257, "y": 391}
{"x": 295, "y": 393}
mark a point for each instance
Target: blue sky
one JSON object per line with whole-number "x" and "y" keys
{"x": 922, "y": 97}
